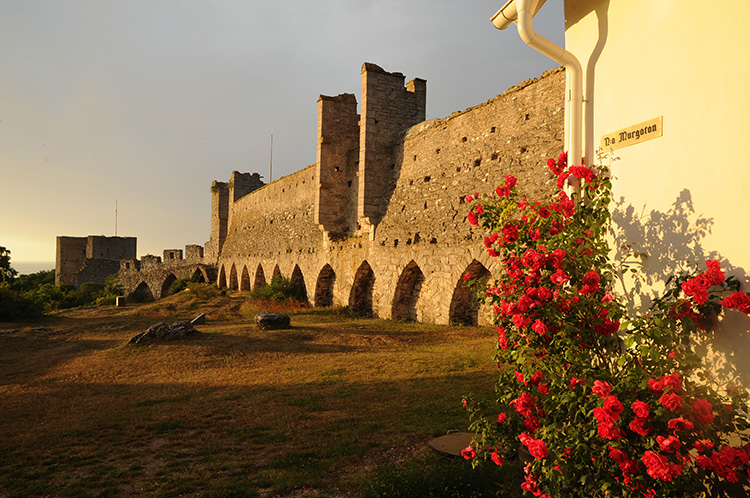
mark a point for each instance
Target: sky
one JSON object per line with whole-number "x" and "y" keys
{"x": 140, "y": 104}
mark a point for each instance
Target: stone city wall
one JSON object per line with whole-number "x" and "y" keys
{"x": 409, "y": 264}
{"x": 379, "y": 222}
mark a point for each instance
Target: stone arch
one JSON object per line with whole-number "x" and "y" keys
{"x": 324, "y": 286}
{"x": 142, "y": 293}
{"x": 222, "y": 281}
{"x": 276, "y": 272}
{"x": 407, "y": 293}
{"x": 171, "y": 278}
{"x": 233, "y": 282}
{"x": 299, "y": 279}
{"x": 260, "y": 277}
{"x": 464, "y": 308}
{"x": 245, "y": 279}
{"x": 360, "y": 297}
{"x": 199, "y": 276}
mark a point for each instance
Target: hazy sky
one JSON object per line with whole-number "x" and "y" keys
{"x": 145, "y": 102}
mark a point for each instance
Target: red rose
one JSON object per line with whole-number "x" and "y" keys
{"x": 468, "y": 453}
{"x": 671, "y": 401}
{"x": 668, "y": 444}
{"x": 602, "y": 389}
{"x": 590, "y": 282}
{"x": 531, "y": 424}
{"x": 703, "y": 411}
{"x": 658, "y": 466}
{"x": 608, "y": 431}
{"x": 524, "y": 404}
{"x": 501, "y": 418}
{"x": 680, "y": 424}
{"x": 472, "y": 218}
{"x": 537, "y": 448}
{"x": 637, "y": 426}
{"x": 603, "y": 416}
{"x": 519, "y": 378}
{"x": 656, "y": 386}
{"x": 510, "y": 181}
{"x": 672, "y": 382}
{"x": 539, "y": 327}
{"x": 559, "y": 277}
{"x": 497, "y": 458}
{"x": 640, "y": 409}
{"x": 613, "y": 406}
{"x": 618, "y": 456}
{"x": 556, "y": 258}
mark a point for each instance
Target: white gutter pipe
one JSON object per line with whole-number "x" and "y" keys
{"x": 522, "y": 12}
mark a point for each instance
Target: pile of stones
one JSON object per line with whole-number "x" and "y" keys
{"x": 164, "y": 332}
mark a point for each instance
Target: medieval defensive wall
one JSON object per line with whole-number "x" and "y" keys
{"x": 378, "y": 223}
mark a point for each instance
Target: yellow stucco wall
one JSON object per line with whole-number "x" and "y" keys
{"x": 684, "y": 196}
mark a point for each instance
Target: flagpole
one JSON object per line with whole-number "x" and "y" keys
{"x": 270, "y": 167}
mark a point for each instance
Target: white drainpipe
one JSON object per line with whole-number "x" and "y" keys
{"x": 522, "y": 12}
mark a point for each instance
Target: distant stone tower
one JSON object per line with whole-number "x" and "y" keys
{"x": 388, "y": 109}
{"x": 91, "y": 259}
{"x": 355, "y": 163}
{"x": 337, "y": 160}
{"x": 223, "y": 195}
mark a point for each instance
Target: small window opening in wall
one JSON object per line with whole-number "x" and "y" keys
{"x": 416, "y": 238}
{"x": 492, "y": 130}
{"x": 283, "y": 190}
{"x": 527, "y": 117}
{"x": 337, "y": 169}
{"x": 523, "y": 150}
{"x": 437, "y": 151}
{"x": 433, "y": 240}
{"x": 375, "y": 121}
{"x": 411, "y": 182}
{"x": 393, "y": 166}
{"x": 403, "y": 207}
{"x": 349, "y": 183}
{"x": 427, "y": 179}
{"x": 408, "y": 242}
{"x": 464, "y": 139}
{"x": 395, "y": 243}
{"x": 493, "y": 157}
{"x": 461, "y": 200}
{"x": 458, "y": 170}
{"x": 478, "y": 162}
{"x": 415, "y": 157}
{"x": 425, "y": 205}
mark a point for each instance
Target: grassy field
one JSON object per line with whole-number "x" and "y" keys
{"x": 334, "y": 406}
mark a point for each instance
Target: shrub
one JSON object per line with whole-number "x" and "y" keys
{"x": 15, "y": 305}
{"x": 605, "y": 404}
{"x": 280, "y": 289}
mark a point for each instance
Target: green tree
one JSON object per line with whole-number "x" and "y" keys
{"x": 7, "y": 273}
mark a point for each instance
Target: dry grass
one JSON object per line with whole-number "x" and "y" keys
{"x": 234, "y": 411}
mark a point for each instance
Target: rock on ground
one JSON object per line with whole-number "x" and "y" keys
{"x": 271, "y": 321}
{"x": 163, "y": 332}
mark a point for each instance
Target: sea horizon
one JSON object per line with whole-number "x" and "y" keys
{"x": 29, "y": 267}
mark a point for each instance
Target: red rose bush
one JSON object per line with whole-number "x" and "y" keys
{"x": 601, "y": 403}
